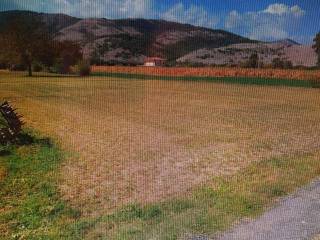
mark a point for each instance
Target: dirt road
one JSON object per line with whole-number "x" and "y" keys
{"x": 296, "y": 217}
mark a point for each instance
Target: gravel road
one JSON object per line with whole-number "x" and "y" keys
{"x": 296, "y": 217}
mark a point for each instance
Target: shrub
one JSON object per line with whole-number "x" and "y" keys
{"x": 283, "y": 64}
{"x": 73, "y": 69}
{"x": 83, "y": 68}
{"x": 171, "y": 63}
{"x": 253, "y": 61}
{"x": 287, "y": 65}
{"x": 37, "y": 67}
{"x": 59, "y": 68}
{"x": 277, "y": 63}
{"x": 191, "y": 64}
{"x": 17, "y": 67}
{"x": 3, "y": 66}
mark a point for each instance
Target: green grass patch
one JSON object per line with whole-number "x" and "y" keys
{"x": 30, "y": 206}
{"x": 232, "y": 80}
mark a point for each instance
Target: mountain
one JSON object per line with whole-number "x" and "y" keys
{"x": 238, "y": 54}
{"x": 54, "y": 22}
{"x": 128, "y": 41}
{"x": 287, "y": 41}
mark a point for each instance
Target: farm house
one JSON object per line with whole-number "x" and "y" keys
{"x": 154, "y": 61}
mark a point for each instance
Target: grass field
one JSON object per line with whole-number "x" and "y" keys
{"x": 155, "y": 159}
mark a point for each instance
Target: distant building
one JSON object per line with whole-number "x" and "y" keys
{"x": 154, "y": 61}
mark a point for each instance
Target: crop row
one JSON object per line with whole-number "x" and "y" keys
{"x": 296, "y": 74}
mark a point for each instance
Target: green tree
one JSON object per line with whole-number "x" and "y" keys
{"x": 24, "y": 40}
{"x": 316, "y": 46}
{"x": 277, "y": 63}
{"x": 67, "y": 54}
{"x": 253, "y": 61}
{"x": 281, "y": 63}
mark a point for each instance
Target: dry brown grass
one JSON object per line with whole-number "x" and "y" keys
{"x": 212, "y": 72}
{"x": 144, "y": 141}
{"x": 2, "y": 173}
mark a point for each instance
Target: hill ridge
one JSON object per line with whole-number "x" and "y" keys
{"x": 128, "y": 41}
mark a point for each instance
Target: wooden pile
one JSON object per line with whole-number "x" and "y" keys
{"x": 13, "y": 124}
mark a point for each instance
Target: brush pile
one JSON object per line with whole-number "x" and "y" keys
{"x": 10, "y": 124}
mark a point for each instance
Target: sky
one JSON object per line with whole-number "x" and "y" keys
{"x": 265, "y": 20}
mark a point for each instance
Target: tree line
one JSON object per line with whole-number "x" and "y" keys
{"x": 26, "y": 44}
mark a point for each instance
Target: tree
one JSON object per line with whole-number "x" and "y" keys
{"x": 316, "y": 46}
{"x": 24, "y": 40}
{"x": 287, "y": 64}
{"x": 67, "y": 54}
{"x": 280, "y": 63}
{"x": 277, "y": 63}
{"x": 253, "y": 61}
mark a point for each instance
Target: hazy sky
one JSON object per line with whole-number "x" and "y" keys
{"x": 257, "y": 19}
